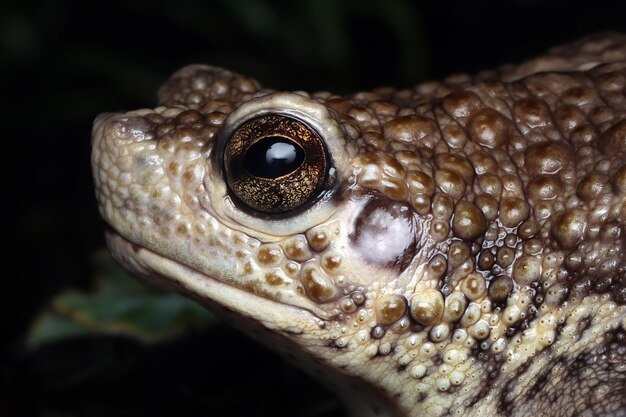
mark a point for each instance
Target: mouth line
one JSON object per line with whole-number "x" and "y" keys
{"x": 174, "y": 275}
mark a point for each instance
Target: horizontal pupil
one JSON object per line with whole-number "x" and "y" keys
{"x": 273, "y": 157}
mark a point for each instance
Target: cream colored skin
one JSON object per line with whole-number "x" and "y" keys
{"x": 551, "y": 344}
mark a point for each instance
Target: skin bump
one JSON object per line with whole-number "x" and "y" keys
{"x": 390, "y": 308}
{"x": 427, "y": 307}
{"x": 469, "y": 222}
{"x": 569, "y": 227}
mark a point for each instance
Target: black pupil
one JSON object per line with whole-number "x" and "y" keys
{"x": 273, "y": 157}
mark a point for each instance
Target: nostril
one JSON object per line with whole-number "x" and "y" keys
{"x": 102, "y": 117}
{"x": 122, "y": 128}
{"x": 98, "y": 122}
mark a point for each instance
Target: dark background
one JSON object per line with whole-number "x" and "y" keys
{"x": 64, "y": 61}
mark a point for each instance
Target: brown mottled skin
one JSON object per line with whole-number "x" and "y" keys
{"x": 463, "y": 252}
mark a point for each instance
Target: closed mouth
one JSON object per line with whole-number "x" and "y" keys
{"x": 173, "y": 275}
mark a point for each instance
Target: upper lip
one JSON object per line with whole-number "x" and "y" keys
{"x": 138, "y": 247}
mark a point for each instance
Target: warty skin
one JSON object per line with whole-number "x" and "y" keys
{"x": 462, "y": 254}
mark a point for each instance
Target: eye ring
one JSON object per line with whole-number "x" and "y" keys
{"x": 275, "y": 164}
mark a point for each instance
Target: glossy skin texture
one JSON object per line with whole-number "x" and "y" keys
{"x": 466, "y": 256}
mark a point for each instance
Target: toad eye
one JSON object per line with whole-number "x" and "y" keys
{"x": 274, "y": 164}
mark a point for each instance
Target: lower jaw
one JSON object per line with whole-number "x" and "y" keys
{"x": 216, "y": 295}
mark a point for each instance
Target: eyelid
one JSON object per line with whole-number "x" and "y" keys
{"x": 272, "y": 228}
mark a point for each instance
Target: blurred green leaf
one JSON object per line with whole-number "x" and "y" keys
{"x": 119, "y": 305}
{"x": 50, "y": 327}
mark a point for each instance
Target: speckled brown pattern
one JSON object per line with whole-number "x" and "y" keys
{"x": 467, "y": 255}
